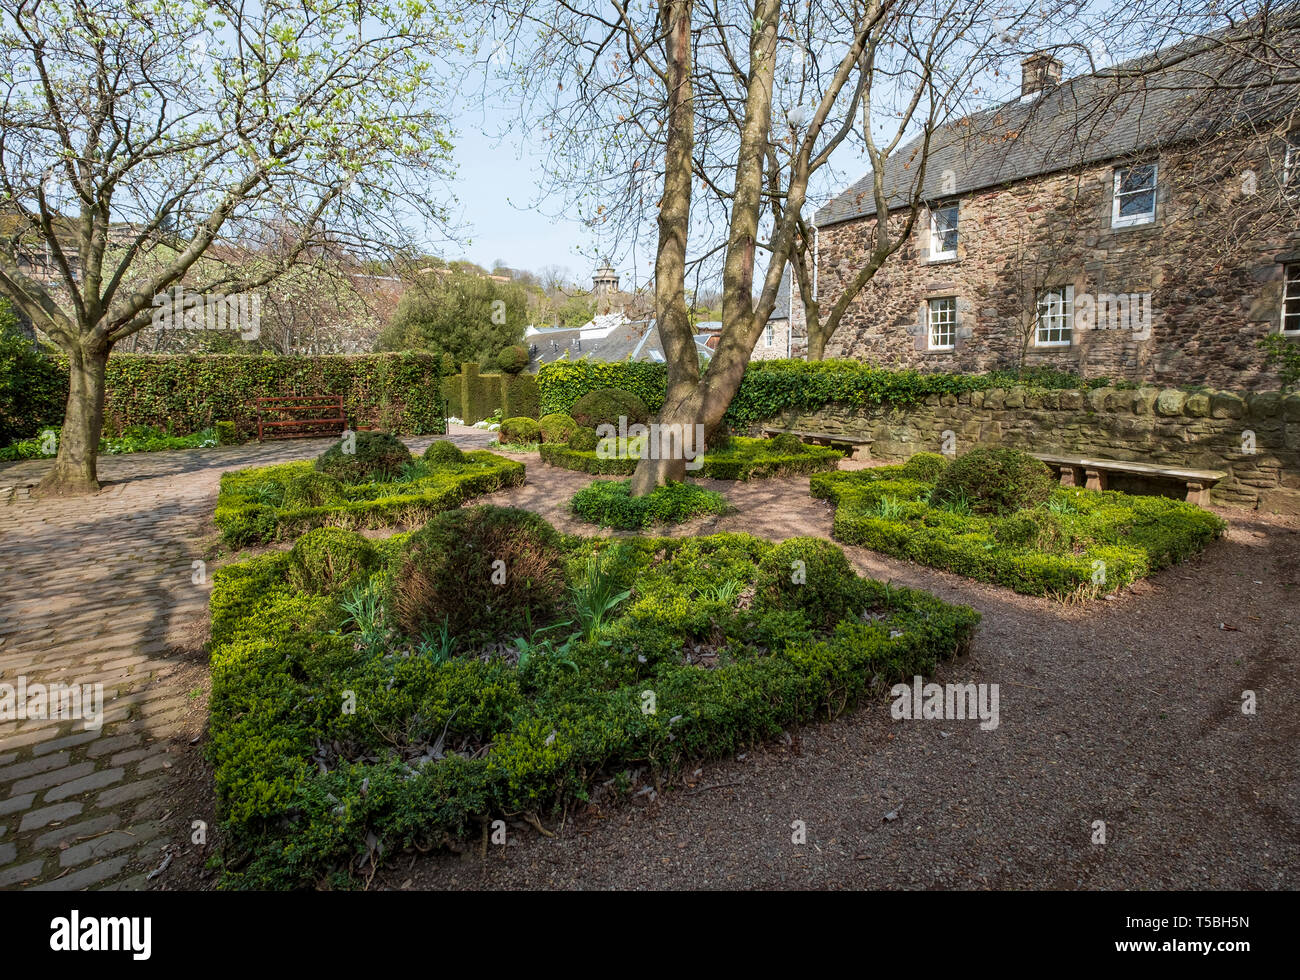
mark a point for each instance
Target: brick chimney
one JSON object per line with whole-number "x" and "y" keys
{"x": 1039, "y": 72}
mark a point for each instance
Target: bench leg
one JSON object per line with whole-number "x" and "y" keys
{"x": 1197, "y": 494}
{"x": 1072, "y": 476}
{"x": 1096, "y": 480}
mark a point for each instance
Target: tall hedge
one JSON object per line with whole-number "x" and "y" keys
{"x": 771, "y": 387}
{"x": 473, "y": 396}
{"x": 33, "y": 384}
{"x": 183, "y": 393}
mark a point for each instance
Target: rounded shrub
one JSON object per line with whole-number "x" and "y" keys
{"x": 520, "y": 429}
{"x": 448, "y": 573}
{"x": 785, "y": 443}
{"x": 330, "y": 559}
{"x": 1037, "y": 528}
{"x": 312, "y": 490}
{"x": 584, "y": 440}
{"x": 925, "y": 467}
{"x": 377, "y": 456}
{"x": 443, "y": 451}
{"x": 605, "y": 406}
{"x": 556, "y": 427}
{"x": 995, "y": 481}
{"x": 810, "y": 574}
{"x": 513, "y": 359}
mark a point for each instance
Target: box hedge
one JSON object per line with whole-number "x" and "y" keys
{"x": 741, "y": 459}
{"x": 331, "y": 753}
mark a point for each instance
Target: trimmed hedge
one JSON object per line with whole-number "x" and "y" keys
{"x": 742, "y": 459}
{"x": 472, "y": 396}
{"x": 334, "y": 738}
{"x": 1078, "y": 544}
{"x": 772, "y": 387}
{"x": 255, "y": 504}
{"x": 610, "y": 503}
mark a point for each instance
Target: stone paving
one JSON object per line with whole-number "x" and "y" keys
{"x": 101, "y": 590}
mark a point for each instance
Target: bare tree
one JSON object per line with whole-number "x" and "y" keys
{"x": 136, "y": 139}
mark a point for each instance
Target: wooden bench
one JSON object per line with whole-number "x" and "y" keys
{"x": 819, "y": 438}
{"x": 1077, "y": 471}
{"x": 324, "y": 416}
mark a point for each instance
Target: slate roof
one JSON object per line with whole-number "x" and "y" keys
{"x": 1083, "y": 120}
{"x": 637, "y": 340}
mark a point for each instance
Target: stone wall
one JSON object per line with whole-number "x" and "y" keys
{"x": 1254, "y": 437}
{"x": 1210, "y": 264}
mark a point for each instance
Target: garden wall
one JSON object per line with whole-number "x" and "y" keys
{"x": 1201, "y": 430}
{"x": 473, "y": 397}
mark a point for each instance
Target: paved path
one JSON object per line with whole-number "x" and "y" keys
{"x": 100, "y": 590}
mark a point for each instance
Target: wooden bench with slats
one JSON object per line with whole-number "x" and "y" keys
{"x": 299, "y": 416}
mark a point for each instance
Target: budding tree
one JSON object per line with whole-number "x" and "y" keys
{"x": 137, "y": 139}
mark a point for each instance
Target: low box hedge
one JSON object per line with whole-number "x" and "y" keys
{"x": 743, "y": 459}
{"x": 333, "y": 750}
{"x": 1079, "y": 544}
{"x": 250, "y": 504}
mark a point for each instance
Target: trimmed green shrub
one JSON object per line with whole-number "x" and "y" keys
{"x": 251, "y": 504}
{"x": 583, "y": 440}
{"x": 742, "y": 459}
{"x": 227, "y": 434}
{"x": 786, "y": 443}
{"x": 610, "y": 503}
{"x": 519, "y": 430}
{"x": 807, "y": 574}
{"x": 606, "y": 406}
{"x": 513, "y": 359}
{"x": 443, "y": 451}
{"x": 376, "y": 456}
{"x": 925, "y": 466}
{"x": 995, "y": 480}
{"x": 1077, "y": 544}
{"x": 478, "y": 571}
{"x": 329, "y": 559}
{"x": 557, "y": 427}
{"x": 312, "y": 490}
{"x": 530, "y": 722}
{"x": 563, "y": 382}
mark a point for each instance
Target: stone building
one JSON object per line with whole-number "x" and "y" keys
{"x": 1142, "y": 229}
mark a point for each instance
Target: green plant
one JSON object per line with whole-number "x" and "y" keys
{"x": 482, "y": 570}
{"x": 1282, "y": 353}
{"x": 739, "y": 458}
{"x": 311, "y": 490}
{"x": 995, "y": 480}
{"x": 330, "y": 559}
{"x": 610, "y": 503}
{"x": 786, "y": 443}
{"x": 723, "y": 592}
{"x": 364, "y": 456}
{"x": 556, "y": 427}
{"x": 889, "y": 508}
{"x": 519, "y": 430}
{"x": 606, "y": 406}
{"x": 513, "y": 359}
{"x": 443, "y": 452}
{"x": 925, "y": 467}
{"x": 437, "y": 645}
{"x": 596, "y": 596}
{"x": 583, "y": 440}
{"x": 365, "y": 613}
{"x": 227, "y": 434}
{"x": 806, "y": 574}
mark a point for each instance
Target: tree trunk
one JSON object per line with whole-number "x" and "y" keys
{"x": 816, "y": 345}
{"x": 74, "y": 469}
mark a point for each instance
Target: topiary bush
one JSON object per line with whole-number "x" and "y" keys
{"x": 808, "y": 574}
{"x": 513, "y": 359}
{"x": 519, "y": 430}
{"x": 584, "y": 440}
{"x": 786, "y": 442}
{"x": 556, "y": 427}
{"x": 605, "y": 406}
{"x": 995, "y": 481}
{"x": 329, "y": 560}
{"x": 443, "y": 452}
{"x": 925, "y": 467}
{"x": 378, "y": 456}
{"x": 448, "y": 573}
{"x": 312, "y": 490}
{"x": 610, "y": 503}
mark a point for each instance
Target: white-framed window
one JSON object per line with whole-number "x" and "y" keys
{"x": 1291, "y": 164}
{"x": 943, "y": 322}
{"x": 1135, "y": 196}
{"x": 1054, "y": 317}
{"x": 1291, "y": 299}
{"x": 769, "y": 335}
{"x": 943, "y": 231}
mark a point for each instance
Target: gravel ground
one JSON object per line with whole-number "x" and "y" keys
{"x": 1126, "y": 711}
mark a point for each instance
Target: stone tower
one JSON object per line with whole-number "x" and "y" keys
{"x": 605, "y": 281}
